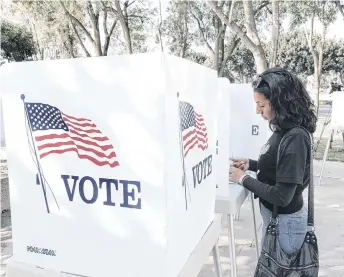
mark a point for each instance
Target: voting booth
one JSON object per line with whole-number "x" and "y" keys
{"x": 241, "y": 131}
{"x": 223, "y": 135}
{"x": 110, "y": 162}
{"x": 2, "y": 133}
{"x": 337, "y": 119}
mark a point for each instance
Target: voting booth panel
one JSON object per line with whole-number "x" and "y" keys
{"x": 2, "y": 133}
{"x": 223, "y": 136}
{"x": 247, "y": 132}
{"x": 249, "y": 129}
{"x": 195, "y": 193}
{"x": 110, "y": 169}
{"x": 337, "y": 120}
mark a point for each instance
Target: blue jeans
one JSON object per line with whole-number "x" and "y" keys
{"x": 291, "y": 228}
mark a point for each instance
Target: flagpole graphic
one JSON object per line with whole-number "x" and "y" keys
{"x": 184, "y": 178}
{"x": 37, "y": 160}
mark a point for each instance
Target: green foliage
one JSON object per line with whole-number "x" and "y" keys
{"x": 301, "y": 11}
{"x": 16, "y": 42}
{"x": 242, "y": 64}
{"x": 294, "y": 54}
{"x": 334, "y": 56}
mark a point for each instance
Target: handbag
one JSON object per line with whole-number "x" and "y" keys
{"x": 274, "y": 262}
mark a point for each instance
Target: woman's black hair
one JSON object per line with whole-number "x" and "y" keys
{"x": 290, "y": 102}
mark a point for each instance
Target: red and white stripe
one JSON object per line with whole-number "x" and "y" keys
{"x": 196, "y": 136}
{"x": 84, "y": 138}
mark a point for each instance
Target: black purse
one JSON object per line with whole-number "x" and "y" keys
{"x": 274, "y": 262}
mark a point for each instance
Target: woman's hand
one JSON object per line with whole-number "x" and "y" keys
{"x": 235, "y": 174}
{"x": 242, "y": 164}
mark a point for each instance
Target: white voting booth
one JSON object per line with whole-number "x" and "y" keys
{"x": 2, "y": 133}
{"x": 246, "y": 133}
{"x": 337, "y": 119}
{"x": 110, "y": 162}
{"x": 337, "y": 124}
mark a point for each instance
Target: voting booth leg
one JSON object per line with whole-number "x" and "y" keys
{"x": 231, "y": 238}
{"x": 217, "y": 262}
{"x": 254, "y": 224}
{"x": 325, "y": 156}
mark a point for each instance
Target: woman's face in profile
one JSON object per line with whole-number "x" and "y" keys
{"x": 263, "y": 106}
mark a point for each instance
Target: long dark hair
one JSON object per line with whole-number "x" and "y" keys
{"x": 290, "y": 101}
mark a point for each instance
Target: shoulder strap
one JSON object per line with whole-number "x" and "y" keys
{"x": 310, "y": 188}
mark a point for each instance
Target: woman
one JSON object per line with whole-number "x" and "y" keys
{"x": 282, "y": 100}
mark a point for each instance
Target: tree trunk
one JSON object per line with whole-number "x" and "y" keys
{"x": 260, "y": 59}
{"x": 250, "y": 38}
{"x": 123, "y": 19}
{"x": 95, "y": 26}
{"x": 275, "y": 32}
{"x": 320, "y": 65}
{"x": 40, "y": 51}
{"x": 75, "y": 22}
{"x": 231, "y": 48}
{"x": 217, "y": 47}
{"x": 108, "y": 36}
{"x": 185, "y": 30}
{"x": 315, "y": 55}
{"x": 80, "y": 40}
{"x": 317, "y": 88}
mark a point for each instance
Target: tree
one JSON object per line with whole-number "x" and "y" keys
{"x": 176, "y": 28}
{"x": 54, "y": 36}
{"x": 241, "y": 65}
{"x": 86, "y": 28}
{"x": 215, "y": 34}
{"x": 249, "y": 34}
{"x": 16, "y": 42}
{"x": 294, "y": 54}
{"x": 135, "y": 13}
{"x": 325, "y": 12}
{"x": 93, "y": 11}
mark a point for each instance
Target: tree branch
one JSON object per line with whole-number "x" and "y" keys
{"x": 124, "y": 23}
{"x": 275, "y": 32}
{"x": 79, "y": 39}
{"x": 112, "y": 27}
{"x": 132, "y": 2}
{"x": 243, "y": 36}
{"x": 76, "y": 21}
{"x": 108, "y": 37}
{"x": 234, "y": 44}
{"x": 230, "y": 13}
{"x": 250, "y": 22}
{"x": 105, "y": 24}
{"x": 95, "y": 20}
{"x": 107, "y": 8}
{"x": 90, "y": 10}
{"x": 202, "y": 33}
{"x": 310, "y": 36}
{"x": 262, "y": 5}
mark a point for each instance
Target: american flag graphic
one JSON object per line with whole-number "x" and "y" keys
{"x": 194, "y": 131}
{"x": 56, "y": 133}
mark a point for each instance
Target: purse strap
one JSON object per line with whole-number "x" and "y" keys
{"x": 310, "y": 221}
